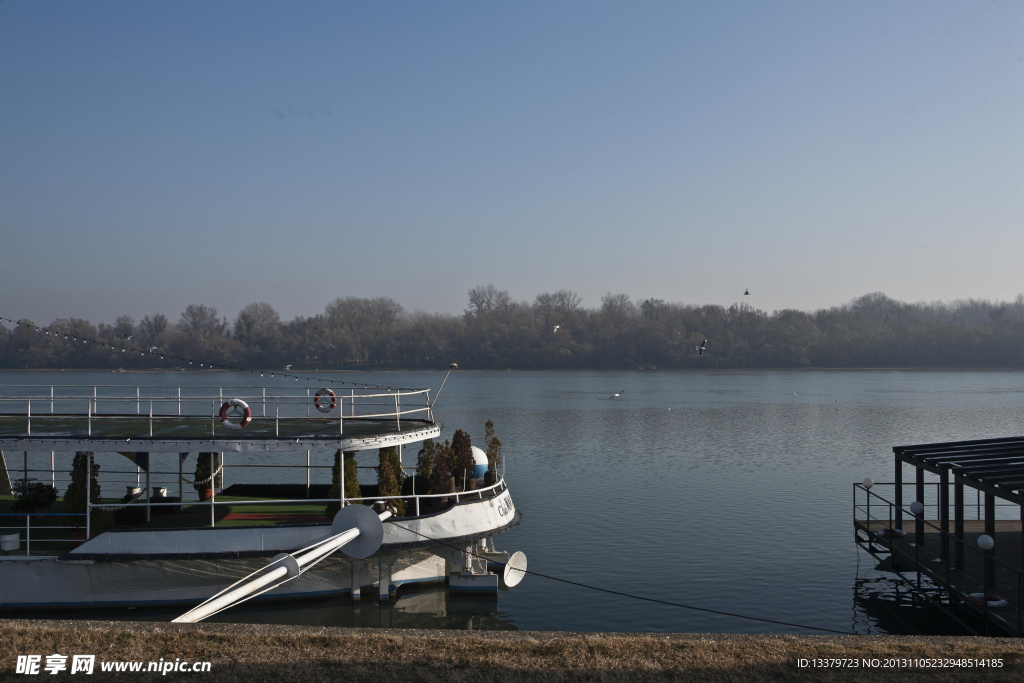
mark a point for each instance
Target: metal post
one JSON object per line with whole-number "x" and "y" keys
{"x": 95, "y": 400}
{"x": 341, "y": 476}
{"x": 51, "y": 400}
{"x": 53, "y": 472}
{"x": 944, "y": 512}
{"x": 277, "y": 417}
{"x": 398, "y": 416}
{"x": 181, "y": 490}
{"x": 264, "y": 401}
{"x": 213, "y": 491}
{"x": 179, "y": 401}
{"x": 24, "y": 476}
{"x": 30, "y": 417}
{"x": 417, "y": 498}
{"x": 958, "y": 523}
{"x": 919, "y": 497}
{"x": 151, "y": 418}
{"x": 89, "y": 419}
{"x": 149, "y": 491}
{"x": 307, "y": 402}
{"x": 898, "y": 493}
{"x": 28, "y": 535}
{"x": 307, "y": 474}
{"x": 990, "y": 529}
{"x": 138, "y": 405}
{"x": 213, "y": 413}
{"x": 88, "y": 495}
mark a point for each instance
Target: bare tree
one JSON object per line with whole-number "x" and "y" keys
{"x": 201, "y": 322}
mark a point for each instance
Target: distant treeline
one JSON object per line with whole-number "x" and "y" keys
{"x": 553, "y": 331}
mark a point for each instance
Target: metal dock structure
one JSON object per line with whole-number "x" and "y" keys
{"x": 957, "y": 539}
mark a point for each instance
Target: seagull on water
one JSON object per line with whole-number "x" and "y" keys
{"x": 700, "y": 347}
{"x": 616, "y": 395}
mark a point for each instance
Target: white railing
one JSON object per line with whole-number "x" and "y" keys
{"x": 40, "y": 529}
{"x": 162, "y": 403}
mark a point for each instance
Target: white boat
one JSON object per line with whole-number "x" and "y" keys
{"x": 174, "y": 550}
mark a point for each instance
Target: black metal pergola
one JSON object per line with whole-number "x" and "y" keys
{"x": 994, "y": 467}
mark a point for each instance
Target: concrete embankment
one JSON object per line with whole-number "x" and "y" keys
{"x": 255, "y": 653}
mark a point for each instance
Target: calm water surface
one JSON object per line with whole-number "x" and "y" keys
{"x": 729, "y": 490}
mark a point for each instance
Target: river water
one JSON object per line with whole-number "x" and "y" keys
{"x": 729, "y": 490}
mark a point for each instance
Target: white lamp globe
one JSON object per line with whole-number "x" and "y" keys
{"x": 868, "y": 482}
{"x": 986, "y": 542}
{"x": 916, "y": 507}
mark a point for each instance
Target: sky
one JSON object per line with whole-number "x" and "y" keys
{"x": 154, "y": 155}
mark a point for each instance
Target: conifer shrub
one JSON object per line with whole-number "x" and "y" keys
{"x": 207, "y": 464}
{"x": 441, "y": 475}
{"x": 75, "y": 496}
{"x": 389, "y": 478}
{"x": 351, "y": 482}
{"x": 492, "y": 445}
{"x": 462, "y": 457}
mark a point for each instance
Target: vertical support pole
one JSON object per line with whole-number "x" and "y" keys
{"x": 149, "y": 490}
{"x": 138, "y": 403}
{"x": 919, "y": 497}
{"x": 24, "y": 476}
{"x": 88, "y": 495}
{"x": 990, "y": 529}
{"x": 357, "y": 570}
{"x": 223, "y": 471}
{"x": 30, "y": 417}
{"x": 89, "y": 419}
{"x": 28, "y": 535}
{"x": 213, "y": 492}
{"x": 51, "y": 400}
{"x": 384, "y": 579}
{"x": 958, "y": 522}
{"x": 307, "y": 402}
{"x": 181, "y": 490}
{"x": 898, "y": 493}
{"x": 53, "y": 472}
{"x": 398, "y": 415}
{"x": 944, "y": 513}
{"x": 341, "y": 476}
{"x": 264, "y": 401}
{"x": 213, "y": 416}
{"x": 179, "y": 401}
{"x": 277, "y": 417}
{"x": 307, "y": 474}
{"x": 151, "y": 418}
{"x": 95, "y": 401}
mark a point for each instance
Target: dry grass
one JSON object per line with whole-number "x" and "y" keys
{"x": 255, "y": 653}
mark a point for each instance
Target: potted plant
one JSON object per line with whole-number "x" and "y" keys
{"x": 493, "y": 450}
{"x": 206, "y": 465}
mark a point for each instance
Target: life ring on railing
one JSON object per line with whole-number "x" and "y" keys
{"x": 324, "y": 407}
{"x": 891, "y": 533}
{"x": 993, "y": 600}
{"x": 237, "y": 408}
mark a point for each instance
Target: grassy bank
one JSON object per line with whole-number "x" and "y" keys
{"x": 253, "y": 653}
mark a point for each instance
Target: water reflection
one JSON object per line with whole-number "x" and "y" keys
{"x": 424, "y": 608}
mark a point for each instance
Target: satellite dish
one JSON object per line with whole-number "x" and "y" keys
{"x": 515, "y": 569}
{"x": 371, "y": 530}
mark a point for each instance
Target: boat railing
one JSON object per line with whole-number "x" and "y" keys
{"x": 55, "y": 538}
{"x": 160, "y": 404}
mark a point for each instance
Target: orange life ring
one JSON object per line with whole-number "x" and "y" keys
{"x": 240, "y": 409}
{"x": 324, "y": 407}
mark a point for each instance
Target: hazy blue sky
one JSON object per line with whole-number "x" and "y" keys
{"x": 154, "y": 155}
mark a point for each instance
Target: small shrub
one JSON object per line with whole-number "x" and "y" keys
{"x": 36, "y": 497}
{"x": 462, "y": 457}
{"x": 351, "y": 482}
{"x": 389, "y": 477}
{"x": 74, "y": 497}
{"x": 206, "y": 464}
{"x": 492, "y": 446}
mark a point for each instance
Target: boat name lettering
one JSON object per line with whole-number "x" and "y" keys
{"x": 505, "y": 506}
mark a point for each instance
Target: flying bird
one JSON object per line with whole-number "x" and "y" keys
{"x": 700, "y": 347}
{"x": 746, "y": 292}
{"x": 616, "y": 395}
{"x": 287, "y": 367}
{"x": 556, "y": 328}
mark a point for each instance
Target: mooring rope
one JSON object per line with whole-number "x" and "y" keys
{"x": 642, "y": 597}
